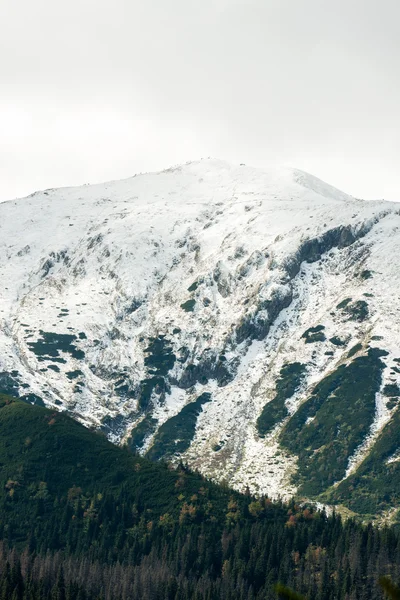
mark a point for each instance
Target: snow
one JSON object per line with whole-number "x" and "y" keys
{"x": 122, "y": 257}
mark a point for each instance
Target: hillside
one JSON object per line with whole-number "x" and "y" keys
{"x": 83, "y": 519}
{"x": 244, "y": 321}
{"x": 44, "y": 455}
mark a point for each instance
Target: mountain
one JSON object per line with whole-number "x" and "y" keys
{"x": 81, "y": 518}
{"x": 245, "y": 321}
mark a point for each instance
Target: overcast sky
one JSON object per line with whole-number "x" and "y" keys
{"x": 92, "y": 90}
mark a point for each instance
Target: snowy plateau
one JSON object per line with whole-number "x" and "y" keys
{"x": 244, "y": 321}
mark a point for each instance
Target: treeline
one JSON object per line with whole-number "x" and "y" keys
{"x": 82, "y": 519}
{"x": 194, "y": 558}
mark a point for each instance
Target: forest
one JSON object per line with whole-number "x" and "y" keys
{"x": 83, "y": 519}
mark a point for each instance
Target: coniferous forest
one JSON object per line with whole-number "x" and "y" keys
{"x": 83, "y": 519}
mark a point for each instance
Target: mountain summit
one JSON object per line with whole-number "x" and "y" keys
{"x": 246, "y": 321}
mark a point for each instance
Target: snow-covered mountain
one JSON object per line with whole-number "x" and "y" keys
{"x": 245, "y": 320}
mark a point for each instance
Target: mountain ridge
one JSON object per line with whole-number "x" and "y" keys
{"x": 301, "y": 176}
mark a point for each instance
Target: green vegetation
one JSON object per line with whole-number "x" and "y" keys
{"x": 391, "y": 403}
{"x": 139, "y": 434}
{"x": 122, "y": 385}
{"x": 216, "y": 447}
{"x": 391, "y": 390}
{"x": 329, "y": 426}
{"x": 34, "y": 399}
{"x": 147, "y": 386}
{"x": 159, "y": 360}
{"x": 74, "y": 374}
{"x": 286, "y": 593}
{"x": 189, "y": 305}
{"x": 175, "y": 435}
{"x": 391, "y": 590}
{"x": 354, "y": 350}
{"x": 49, "y": 346}
{"x": 314, "y": 334}
{"x": 9, "y": 385}
{"x": 81, "y": 519}
{"x": 193, "y": 287}
{"x": 375, "y": 485}
{"x": 356, "y": 311}
{"x": 291, "y": 377}
{"x": 344, "y": 303}
{"x": 45, "y": 455}
{"x": 336, "y": 341}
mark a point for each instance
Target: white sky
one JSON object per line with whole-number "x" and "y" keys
{"x": 92, "y": 90}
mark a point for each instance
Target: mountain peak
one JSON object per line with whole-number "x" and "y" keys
{"x": 194, "y": 312}
{"x": 277, "y": 179}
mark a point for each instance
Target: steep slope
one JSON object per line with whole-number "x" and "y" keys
{"x": 221, "y": 314}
